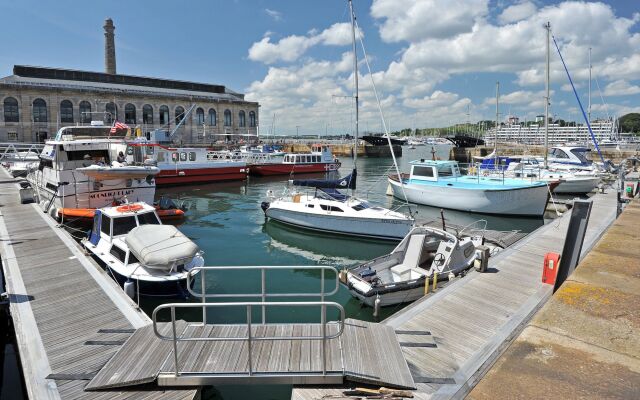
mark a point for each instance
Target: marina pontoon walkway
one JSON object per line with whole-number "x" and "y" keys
{"x": 69, "y": 316}
{"x": 473, "y": 320}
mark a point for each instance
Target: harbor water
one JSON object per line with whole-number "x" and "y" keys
{"x": 227, "y": 223}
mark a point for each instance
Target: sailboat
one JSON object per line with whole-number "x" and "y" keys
{"x": 325, "y": 208}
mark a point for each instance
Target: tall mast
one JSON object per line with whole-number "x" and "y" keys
{"x": 495, "y": 139}
{"x": 589, "y": 109}
{"x": 547, "y": 26}
{"x": 355, "y": 79}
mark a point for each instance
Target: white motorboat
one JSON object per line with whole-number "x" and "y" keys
{"x": 440, "y": 184}
{"x": 401, "y": 276}
{"x": 143, "y": 255}
{"x": 326, "y": 209}
{"x": 78, "y": 169}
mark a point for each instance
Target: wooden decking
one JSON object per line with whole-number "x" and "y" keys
{"x": 472, "y": 320}
{"x": 365, "y": 352}
{"x": 69, "y": 316}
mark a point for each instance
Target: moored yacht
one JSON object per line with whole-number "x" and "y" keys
{"x": 320, "y": 159}
{"x": 143, "y": 255}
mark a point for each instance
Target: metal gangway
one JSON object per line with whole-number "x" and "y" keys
{"x": 328, "y": 351}
{"x": 12, "y": 152}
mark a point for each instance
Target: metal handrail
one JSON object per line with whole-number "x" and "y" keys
{"x": 263, "y": 294}
{"x": 249, "y": 337}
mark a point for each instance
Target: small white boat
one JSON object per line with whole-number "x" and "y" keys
{"x": 440, "y": 184}
{"x": 400, "y": 277}
{"x": 142, "y": 254}
{"x": 119, "y": 171}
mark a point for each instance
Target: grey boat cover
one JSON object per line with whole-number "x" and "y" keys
{"x": 160, "y": 246}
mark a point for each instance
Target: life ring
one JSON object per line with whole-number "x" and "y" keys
{"x": 129, "y": 207}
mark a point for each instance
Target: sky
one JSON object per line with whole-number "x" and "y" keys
{"x": 433, "y": 62}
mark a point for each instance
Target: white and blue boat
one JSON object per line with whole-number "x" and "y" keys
{"x": 440, "y": 184}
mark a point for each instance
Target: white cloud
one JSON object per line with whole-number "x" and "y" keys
{"x": 276, "y": 15}
{"x": 412, "y": 20}
{"x": 292, "y": 47}
{"x": 517, "y": 12}
{"x": 621, "y": 88}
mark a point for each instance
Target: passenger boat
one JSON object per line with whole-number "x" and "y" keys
{"x": 79, "y": 169}
{"x": 401, "y": 276}
{"x": 320, "y": 159}
{"x": 188, "y": 165}
{"x": 440, "y": 184}
{"x": 146, "y": 257}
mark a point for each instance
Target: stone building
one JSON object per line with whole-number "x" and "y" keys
{"x": 36, "y": 101}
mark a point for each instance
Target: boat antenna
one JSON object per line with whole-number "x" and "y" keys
{"x": 355, "y": 80}
{"x": 547, "y": 100}
{"x": 495, "y": 139}
{"x": 384, "y": 122}
{"x": 589, "y": 108}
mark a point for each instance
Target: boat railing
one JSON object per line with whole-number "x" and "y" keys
{"x": 19, "y": 151}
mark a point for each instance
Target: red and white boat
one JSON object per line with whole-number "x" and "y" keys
{"x": 188, "y": 165}
{"x": 320, "y": 159}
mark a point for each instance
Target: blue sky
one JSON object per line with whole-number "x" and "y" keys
{"x": 432, "y": 59}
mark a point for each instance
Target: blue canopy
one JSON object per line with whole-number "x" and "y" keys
{"x": 348, "y": 182}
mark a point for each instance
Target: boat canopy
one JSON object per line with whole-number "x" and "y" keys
{"x": 348, "y": 182}
{"x": 160, "y": 246}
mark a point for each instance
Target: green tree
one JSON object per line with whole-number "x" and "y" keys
{"x": 630, "y": 123}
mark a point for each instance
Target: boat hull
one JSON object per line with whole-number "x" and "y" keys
{"x": 391, "y": 298}
{"x": 578, "y": 185}
{"x": 173, "y": 288}
{"x": 183, "y": 176}
{"x": 527, "y": 201}
{"x": 376, "y": 228}
{"x": 286, "y": 169}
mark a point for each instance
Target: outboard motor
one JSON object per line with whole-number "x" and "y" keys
{"x": 265, "y": 206}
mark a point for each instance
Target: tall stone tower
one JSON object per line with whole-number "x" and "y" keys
{"x": 109, "y": 47}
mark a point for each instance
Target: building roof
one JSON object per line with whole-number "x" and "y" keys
{"x": 130, "y": 84}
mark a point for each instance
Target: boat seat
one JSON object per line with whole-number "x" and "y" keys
{"x": 411, "y": 261}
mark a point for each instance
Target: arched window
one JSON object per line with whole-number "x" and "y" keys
{"x": 39, "y": 110}
{"x": 227, "y": 118}
{"x": 85, "y": 112}
{"x": 252, "y": 119}
{"x": 66, "y": 111}
{"x": 241, "y": 119}
{"x": 130, "y": 114}
{"x": 164, "y": 115}
{"x": 179, "y": 114}
{"x": 11, "y": 113}
{"x": 212, "y": 117}
{"x": 111, "y": 113}
{"x": 147, "y": 114}
{"x": 200, "y": 116}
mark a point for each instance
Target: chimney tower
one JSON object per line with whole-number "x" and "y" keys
{"x": 109, "y": 47}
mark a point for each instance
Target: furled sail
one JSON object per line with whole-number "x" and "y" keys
{"x": 348, "y": 182}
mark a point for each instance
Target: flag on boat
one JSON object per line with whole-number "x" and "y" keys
{"x": 117, "y": 126}
{"x": 348, "y": 182}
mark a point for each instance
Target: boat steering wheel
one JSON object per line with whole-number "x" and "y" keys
{"x": 439, "y": 259}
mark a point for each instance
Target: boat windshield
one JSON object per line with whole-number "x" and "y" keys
{"x": 148, "y": 219}
{"x": 581, "y": 154}
{"x": 123, "y": 225}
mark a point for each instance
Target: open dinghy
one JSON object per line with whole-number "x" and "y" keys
{"x": 400, "y": 276}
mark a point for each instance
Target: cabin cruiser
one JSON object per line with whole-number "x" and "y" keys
{"x": 401, "y": 276}
{"x": 325, "y": 208}
{"x": 440, "y": 184}
{"x": 81, "y": 168}
{"x": 146, "y": 257}
{"x": 320, "y": 159}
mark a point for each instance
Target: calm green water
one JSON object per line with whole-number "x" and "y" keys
{"x": 226, "y": 221}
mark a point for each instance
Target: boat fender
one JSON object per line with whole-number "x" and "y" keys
{"x": 451, "y": 276}
{"x": 130, "y": 289}
{"x": 342, "y": 276}
{"x": 376, "y": 306}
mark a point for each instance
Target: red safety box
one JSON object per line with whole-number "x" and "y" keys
{"x": 550, "y": 268}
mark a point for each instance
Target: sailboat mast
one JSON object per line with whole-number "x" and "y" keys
{"x": 547, "y": 26}
{"x": 355, "y": 80}
{"x": 589, "y": 109}
{"x": 495, "y": 139}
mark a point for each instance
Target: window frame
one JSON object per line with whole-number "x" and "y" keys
{"x": 11, "y": 109}
{"x": 66, "y": 112}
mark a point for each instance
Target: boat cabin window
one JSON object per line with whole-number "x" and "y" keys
{"x": 581, "y": 155}
{"x": 361, "y": 206}
{"x": 122, "y": 225}
{"x": 330, "y": 208}
{"x": 148, "y": 219}
{"x": 192, "y": 156}
{"x": 94, "y": 155}
{"x": 183, "y": 156}
{"x": 118, "y": 253}
{"x": 446, "y": 170}
{"x": 150, "y": 150}
{"x": 105, "y": 225}
{"x": 161, "y": 156}
{"x": 132, "y": 259}
{"x": 557, "y": 153}
{"x": 174, "y": 157}
{"x": 310, "y": 206}
{"x": 426, "y": 172}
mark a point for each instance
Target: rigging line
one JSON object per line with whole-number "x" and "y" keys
{"x": 584, "y": 115}
{"x": 606, "y": 108}
{"x": 384, "y": 122}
